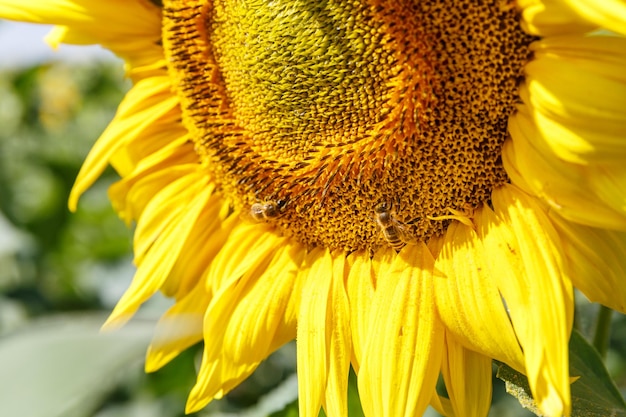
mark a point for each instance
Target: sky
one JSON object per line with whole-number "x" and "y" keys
{"x": 22, "y": 44}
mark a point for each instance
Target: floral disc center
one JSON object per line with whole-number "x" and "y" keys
{"x": 337, "y": 119}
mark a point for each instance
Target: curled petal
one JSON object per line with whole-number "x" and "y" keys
{"x": 469, "y": 300}
{"x": 526, "y": 259}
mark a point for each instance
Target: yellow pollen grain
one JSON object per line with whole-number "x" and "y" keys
{"x": 330, "y": 108}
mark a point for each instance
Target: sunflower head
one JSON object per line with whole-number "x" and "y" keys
{"x": 325, "y": 110}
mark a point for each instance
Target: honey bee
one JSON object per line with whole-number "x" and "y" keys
{"x": 393, "y": 230}
{"x": 266, "y": 211}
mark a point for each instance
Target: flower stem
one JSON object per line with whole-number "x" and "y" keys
{"x": 603, "y": 330}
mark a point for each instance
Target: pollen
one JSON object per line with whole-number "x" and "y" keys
{"x": 328, "y": 109}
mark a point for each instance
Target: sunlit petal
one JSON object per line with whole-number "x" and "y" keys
{"x": 467, "y": 375}
{"x": 524, "y": 245}
{"x": 469, "y": 300}
{"x": 405, "y": 323}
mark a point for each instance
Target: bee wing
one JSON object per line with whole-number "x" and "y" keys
{"x": 404, "y": 233}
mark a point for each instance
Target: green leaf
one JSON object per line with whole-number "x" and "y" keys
{"x": 595, "y": 390}
{"x": 62, "y": 366}
{"x": 354, "y": 401}
{"x": 594, "y": 394}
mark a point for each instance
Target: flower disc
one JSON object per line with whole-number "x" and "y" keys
{"x": 324, "y": 110}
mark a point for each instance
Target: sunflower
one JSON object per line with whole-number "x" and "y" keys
{"x": 408, "y": 188}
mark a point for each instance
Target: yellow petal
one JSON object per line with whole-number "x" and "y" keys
{"x": 312, "y": 355}
{"x": 551, "y": 17}
{"x": 156, "y": 266}
{"x": 250, "y": 334}
{"x": 596, "y": 261}
{"x": 562, "y": 185}
{"x": 247, "y": 246}
{"x": 200, "y": 248}
{"x": 114, "y": 14}
{"x": 229, "y": 292}
{"x": 218, "y": 373}
{"x": 129, "y": 28}
{"x": 608, "y": 14}
{"x": 609, "y": 183}
{"x": 151, "y": 186}
{"x": 167, "y": 148}
{"x": 600, "y": 55}
{"x": 442, "y": 405}
{"x": 469, "y": 301}
{"x": 172, "y": 153}
{"x": 402, "y": 358}
{"x": 577, "y": 96}
{"x": 145, "y": 103}
{"x": 467, "y": 375}
{"x": 338, "y": 341}
{"x": 251, "y": 327}
{"x": 165, "y": 132}
{"x": 143, "y": 54}
{"x": 360, "y": 286}
{"x": 511, "y": 164}
{"x": 526, "y": 259}
{"x": 216, "y": 378}
{"x": 179, "y": 328}
{"x": 166, "y": 205}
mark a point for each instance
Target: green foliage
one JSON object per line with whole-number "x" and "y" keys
{"x": 594, "y": 393}
{"x": 51, "y": 115}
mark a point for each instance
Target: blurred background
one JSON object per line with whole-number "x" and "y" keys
{"x": 61, "y": 272}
